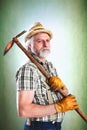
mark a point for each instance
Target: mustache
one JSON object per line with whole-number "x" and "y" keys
{"x": 45, "y": 48}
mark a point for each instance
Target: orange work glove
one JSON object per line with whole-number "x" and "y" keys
{"x": 56, "y": 83}
{"x": 66, "y": 104}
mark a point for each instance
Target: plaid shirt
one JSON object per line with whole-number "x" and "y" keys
{"x": 28, "y": 77}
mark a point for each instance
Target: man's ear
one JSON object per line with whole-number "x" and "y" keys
{"x": 29, "y": 46}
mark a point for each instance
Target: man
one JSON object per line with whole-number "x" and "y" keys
{"x": 38, "y": 99}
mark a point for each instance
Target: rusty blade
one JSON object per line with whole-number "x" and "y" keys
{"x": 10, "y": 44}
{"x": 7, "y": 48}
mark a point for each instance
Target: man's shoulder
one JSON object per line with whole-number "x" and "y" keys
{"x": 26, "y": 67}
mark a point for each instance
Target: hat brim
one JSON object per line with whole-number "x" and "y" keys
{"x": 32, "y": 33}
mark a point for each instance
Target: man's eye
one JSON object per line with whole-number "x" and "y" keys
{"x": 47, "y": 40}
{"x": 39, "y": 41}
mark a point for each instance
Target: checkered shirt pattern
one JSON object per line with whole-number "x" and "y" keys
{"x": 28, "y": 77}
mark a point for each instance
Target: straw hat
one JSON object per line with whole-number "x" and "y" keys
{"x": 37, "y": 28}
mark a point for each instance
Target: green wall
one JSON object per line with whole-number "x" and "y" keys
{"x": 68, "y": 21}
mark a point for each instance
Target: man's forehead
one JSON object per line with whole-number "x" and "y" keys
{"x": 41, "y": 36}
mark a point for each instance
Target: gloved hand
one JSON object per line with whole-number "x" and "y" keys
{"x": 56, "y": 83}
{"x": 66, "y": 104}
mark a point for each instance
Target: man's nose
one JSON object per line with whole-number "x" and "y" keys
{"x": 45, "y": 43}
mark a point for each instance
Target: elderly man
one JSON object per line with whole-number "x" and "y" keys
{"x": 37, "y": 100}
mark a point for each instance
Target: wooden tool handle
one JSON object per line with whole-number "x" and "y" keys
{"x": 44, "y": 72}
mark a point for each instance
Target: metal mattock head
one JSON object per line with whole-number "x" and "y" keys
{"x": 8, "y": 46}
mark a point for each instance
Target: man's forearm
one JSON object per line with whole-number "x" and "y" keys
{"x": 35, "y": 110}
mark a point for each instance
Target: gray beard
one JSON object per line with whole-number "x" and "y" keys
{"x": 44, "y": 52}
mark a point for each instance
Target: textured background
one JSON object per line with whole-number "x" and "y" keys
{"x": 68, "y": 21}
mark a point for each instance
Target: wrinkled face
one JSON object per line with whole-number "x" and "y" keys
{"x": 41, "y": 45}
